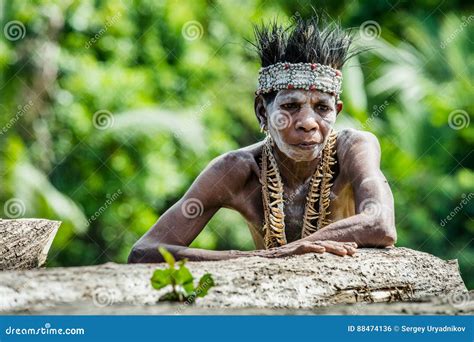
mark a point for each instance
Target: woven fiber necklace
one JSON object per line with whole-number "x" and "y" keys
{"x": 318, "y": 195}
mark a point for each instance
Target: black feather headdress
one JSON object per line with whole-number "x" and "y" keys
{"x": 313, "y": 40}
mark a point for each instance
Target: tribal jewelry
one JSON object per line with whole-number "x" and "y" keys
{"x": 318, "y": 195}
{"x": 309, "y": 76}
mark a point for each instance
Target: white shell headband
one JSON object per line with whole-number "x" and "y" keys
{"x": 309, "y": 76}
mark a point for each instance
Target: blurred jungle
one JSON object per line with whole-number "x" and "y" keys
{"x": 110, "y": 109}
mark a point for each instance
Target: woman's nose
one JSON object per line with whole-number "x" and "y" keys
{"x": 307, "y": 122}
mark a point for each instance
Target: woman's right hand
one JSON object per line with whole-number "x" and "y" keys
{"x": 304, "y": 246}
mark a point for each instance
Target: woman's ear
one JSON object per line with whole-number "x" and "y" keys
{"x": 339, "y": 106}
{"x": 261, "y": 111}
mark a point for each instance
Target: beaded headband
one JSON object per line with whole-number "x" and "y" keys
{"x": 309, "y": 76}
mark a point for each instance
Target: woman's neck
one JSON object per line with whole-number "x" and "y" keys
{"x": 294, "y": 173}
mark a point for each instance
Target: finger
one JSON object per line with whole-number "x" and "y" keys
{"x": 350, "y": 243}
{"x": 312, "y": 248}
{"x": 303, "y": 248}
{"x": 334, "y": 249}
{"x": 350, "y": 246}
{"x": 332, "y": 242}
{"x": 350, "y": 250}
{"x": 317, "y": 249}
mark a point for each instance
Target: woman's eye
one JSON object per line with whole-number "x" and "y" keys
{"x": 290, "y": 105}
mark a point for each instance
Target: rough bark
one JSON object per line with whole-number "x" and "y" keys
{"x": 300, "y": 282}
{"x": 24, "y": 243}
{"x": 460, "y": 304}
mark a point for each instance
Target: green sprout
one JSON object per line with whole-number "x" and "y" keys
{"x": 181, "y": 281}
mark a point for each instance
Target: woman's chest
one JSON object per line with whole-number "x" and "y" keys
{"x": 250, "y": 205}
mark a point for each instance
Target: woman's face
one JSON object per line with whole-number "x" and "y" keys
{"x": 300, "y": 121}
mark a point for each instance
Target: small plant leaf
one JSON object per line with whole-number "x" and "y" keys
{"x": 183, "y": 276}
{"x": 167, "y": 256}
{"x": 189, "y": 288}
{"x": 205, "y": 283}
{"x": 161, "y": 278}
{"x": 181, "y": 281}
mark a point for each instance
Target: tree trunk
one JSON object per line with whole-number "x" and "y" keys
{"x": 300, "y": 282}
{"x": 24, "y": 243}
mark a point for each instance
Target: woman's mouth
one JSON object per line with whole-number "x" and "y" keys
{"x": 306, "y": 145}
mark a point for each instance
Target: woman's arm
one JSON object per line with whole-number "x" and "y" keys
{"x": 374, "y": 222}
{"x": 180, "y": 224}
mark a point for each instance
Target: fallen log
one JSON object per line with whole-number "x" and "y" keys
{"x": 24, "y": 243}
{"x": 461, "y": 304}
{"x": 299, "y": 282}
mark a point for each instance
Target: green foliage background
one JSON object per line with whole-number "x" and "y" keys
{"x": 175, "y": 80}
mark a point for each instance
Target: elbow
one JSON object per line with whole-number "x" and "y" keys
{"x": 388, "y": 234}
{"x": 380, "y": 233}
{"x": 389, "y": 239}
{"x": 141, "y": 254}
{"x": 135, "y": 256}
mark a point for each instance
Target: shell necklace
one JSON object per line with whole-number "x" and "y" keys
{"x": 318, "y": 194}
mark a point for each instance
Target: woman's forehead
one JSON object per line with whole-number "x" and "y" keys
{"x": 302, "y": 95}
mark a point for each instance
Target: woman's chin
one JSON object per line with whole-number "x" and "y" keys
{"x": 303, "y": 154}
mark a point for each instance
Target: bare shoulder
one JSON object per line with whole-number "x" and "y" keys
{"x": 351, "y": 136}
{"x": 237, "y": 166}
{"x": 356, "y": 143}
{"x": 358, "y": 153}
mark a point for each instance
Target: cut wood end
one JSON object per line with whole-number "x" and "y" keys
{"x": 48, "y": 242}
{"x": 25, "y": 243}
